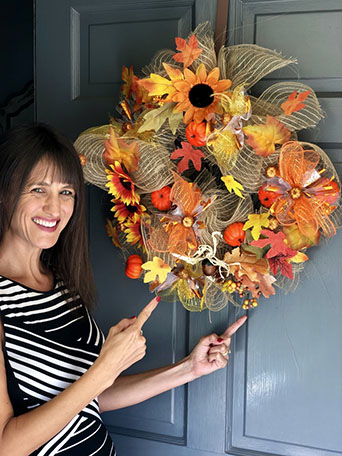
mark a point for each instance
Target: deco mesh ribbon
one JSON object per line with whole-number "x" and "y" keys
{"x": 210, "y": 185}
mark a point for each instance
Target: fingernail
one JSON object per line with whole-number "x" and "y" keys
{"x": 158, "y": 298}
{"x": 220, "y": 339}
{"x": 131, "y": 318}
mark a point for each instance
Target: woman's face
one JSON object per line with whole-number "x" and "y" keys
{"x": 43, "y": 210}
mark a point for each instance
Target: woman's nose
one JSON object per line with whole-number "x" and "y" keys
{"x": 52, "y": 205}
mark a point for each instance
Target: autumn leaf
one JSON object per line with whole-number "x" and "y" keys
{"x": 265, "y": 284}
{"x": 281, "y": 262}
{"x": 112, "y": 233}
{"x": 256, "y": 222}
{"x": 300, "y": 257}
{"x": 157, "y": 85}
{"x": 262, "y": 138}
{"x": 154, "y": 119}
{"x": 116, "y": 149}
{"x": 127, "y": 76}
{"x": 233, "y": 185}
{"x": 189, "y": 154}
{"x": 188, "y": 51}
{"x": 276, "y": 241}
{"x": 294, "y": 103}
{"x": 156, "y": 268}
{"x": 244, "y": 263}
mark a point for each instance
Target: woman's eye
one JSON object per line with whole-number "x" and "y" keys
{"x": 67, "y": 193}
{"x": 37, "y": 190}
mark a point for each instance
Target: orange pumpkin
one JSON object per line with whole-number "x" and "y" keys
{"x": 234, "y": 234}
{"x": 133, "y": 266}
{"x": 196, "y": 133}
{"x": 161, "y": 198}
{"x": 266, "y": 197}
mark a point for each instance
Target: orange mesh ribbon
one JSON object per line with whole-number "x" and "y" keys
{"x": 304, "y": 195}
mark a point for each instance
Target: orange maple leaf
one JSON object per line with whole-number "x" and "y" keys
{"x": 189, "y": 154}
{"x": 294, "y": 102}
{"x": 188, "y": 52}
{"x": 116, "y": 149}
{"x": 262, "y": 138}
{"x": 127, "y": 76}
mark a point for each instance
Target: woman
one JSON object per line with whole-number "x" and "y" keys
{"x": 57, "y": 373}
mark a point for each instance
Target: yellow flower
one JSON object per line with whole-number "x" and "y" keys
{"x": 121, "y": 185}
{"x": 133, "y": 233}
{"x": 122, "y": 211}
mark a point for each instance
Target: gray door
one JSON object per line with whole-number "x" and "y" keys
{"x": 282, "y": 391}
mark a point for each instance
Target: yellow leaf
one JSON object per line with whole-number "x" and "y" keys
{"x": 262, "y": 138}
{"x": 157, "y": 267}
{"x": 256, "y": 222}
{"x": 156, "y": 85}
{"x": 299, "y": 258}
{"x": 116, "y": 149}
{"x": 233, "y": 185}
{"x": 236, "y": 103}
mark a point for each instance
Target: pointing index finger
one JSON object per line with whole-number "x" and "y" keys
{"x": 234, "y": 327}
{"x": 146, "y": 312}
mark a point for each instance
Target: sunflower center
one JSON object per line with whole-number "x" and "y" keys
{"x": 201, "y": 95}
{"x": 125, "y": 183}
{"x": 132, "y": 209}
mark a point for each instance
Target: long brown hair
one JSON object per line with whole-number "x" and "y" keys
{"x": 21, "y": 148}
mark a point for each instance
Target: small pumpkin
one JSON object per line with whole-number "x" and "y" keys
{"x": 234, "y": 234}
{"x": 133, "y": 266}
{"x": 266, "y": 197}
{"x": 196, "y": 133}
{"x": 161, "y": 198}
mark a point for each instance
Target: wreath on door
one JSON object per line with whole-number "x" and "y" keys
{"x": 213, "y": 197}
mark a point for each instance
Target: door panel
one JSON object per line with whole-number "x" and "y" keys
{"x": 287, "y": 382}
{"x": 281, "y": 394}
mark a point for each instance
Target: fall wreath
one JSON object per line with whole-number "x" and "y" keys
{"x": 212, "y": 194}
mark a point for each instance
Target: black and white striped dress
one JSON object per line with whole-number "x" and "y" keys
{"x": 50, "y": 341}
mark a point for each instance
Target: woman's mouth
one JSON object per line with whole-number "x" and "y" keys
{"x": 46, "y": 225}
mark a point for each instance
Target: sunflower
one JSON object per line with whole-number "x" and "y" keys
{"x": 196, "y": 93}
{"x": 133, "y": 233}
{"x": 121, "y": 185}
{"x": 123, "y": 211}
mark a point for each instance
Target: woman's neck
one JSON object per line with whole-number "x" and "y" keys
{"x": 24, "y": 266}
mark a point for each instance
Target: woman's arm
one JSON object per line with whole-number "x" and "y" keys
{"x": 23, "y": 434}
{"x": 209, "y": 355}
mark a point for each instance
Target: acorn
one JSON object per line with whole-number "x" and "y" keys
{"x": 208, "y": 268}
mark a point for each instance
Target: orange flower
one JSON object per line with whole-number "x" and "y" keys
{"x": 121, "y": 185}
{"x": 123, "y": 211}
{"x": 303, "y": 194}
{"x": 182, "y": 223}
{"x": 196, "y": 93}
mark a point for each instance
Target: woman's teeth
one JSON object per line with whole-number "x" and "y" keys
{"x": 45, "y": 223}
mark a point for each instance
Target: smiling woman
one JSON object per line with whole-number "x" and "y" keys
{"x": 57, "y": 371}
{"x": 41, "y": 185}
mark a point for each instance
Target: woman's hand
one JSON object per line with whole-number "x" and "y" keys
{"x": 212, "y": 352}
{"x": 124, "y": 345}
